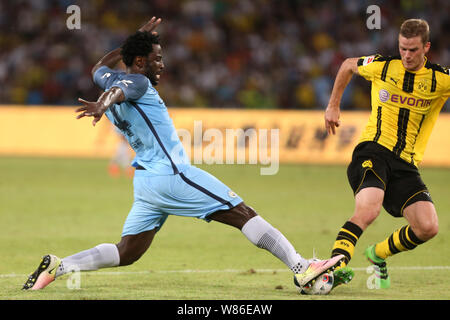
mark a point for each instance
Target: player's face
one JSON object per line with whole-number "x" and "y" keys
{"x": 154, "y": 65}
{"x": 412, "y": 51}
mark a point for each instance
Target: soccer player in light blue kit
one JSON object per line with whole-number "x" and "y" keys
{"x": 165, "y": 182}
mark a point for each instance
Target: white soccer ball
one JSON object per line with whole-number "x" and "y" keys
{"x": 322, "y": 285}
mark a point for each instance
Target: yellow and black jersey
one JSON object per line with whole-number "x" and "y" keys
{"x": 405, "y": 104}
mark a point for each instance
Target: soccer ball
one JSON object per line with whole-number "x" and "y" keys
{"x": 322, "y": 285}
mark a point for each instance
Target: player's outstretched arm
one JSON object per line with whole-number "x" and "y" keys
{"x": 111, "y": 59}
{"x": 96, "y": 109}
{"x": 343, "y": 77}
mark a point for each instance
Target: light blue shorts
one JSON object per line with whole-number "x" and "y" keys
{"x": 193, "y": 193}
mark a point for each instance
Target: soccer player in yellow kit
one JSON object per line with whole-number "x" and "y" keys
{"x": 408, "y": 92}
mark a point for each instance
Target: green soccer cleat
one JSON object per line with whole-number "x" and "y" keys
{"x": 44, "y": 274}
{"x": 382, "y": 277}
{"x": 342, "y": 275}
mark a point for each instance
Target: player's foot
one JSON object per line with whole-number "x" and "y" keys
{"x": 44, "y": 274}
{"x": 316, "y": 268}
{"x": 342, "y": 275}
{"x": 382, "y": 279}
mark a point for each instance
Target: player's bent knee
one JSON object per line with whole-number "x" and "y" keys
{"x": 236, "y": 217}
{"x": 132, "y": 247}
{"x": 246, "y": 211}
{"x": 243, "y": 213}
{"x": 127, "y": 259}
{"x": 130, "y": 254}
{"x": 432, "y": 231}
{"x": 427, "y": 231}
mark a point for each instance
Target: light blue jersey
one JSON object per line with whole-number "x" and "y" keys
{"x": 145, "y": 122}
{"x": 169, "y": 185}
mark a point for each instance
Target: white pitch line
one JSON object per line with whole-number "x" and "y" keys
{"x": 119, "y": 273}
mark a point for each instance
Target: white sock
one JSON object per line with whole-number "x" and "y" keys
{"x": 264, "y": 236}
{"x": 104, "y": 255}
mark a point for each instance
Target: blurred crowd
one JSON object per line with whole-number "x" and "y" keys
{"x": 217, "y": 53}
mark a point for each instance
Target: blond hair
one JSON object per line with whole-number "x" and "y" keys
{"x": 415, "y": 27}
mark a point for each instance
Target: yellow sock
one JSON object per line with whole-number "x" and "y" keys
{"x": 401, "y": 240}
{"x": 346, "y": 241}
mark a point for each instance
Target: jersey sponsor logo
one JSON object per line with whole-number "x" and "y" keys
{"x": 368, "y": 60}
{"x": 385, "y": 96}
{"x": 106, "y": 75}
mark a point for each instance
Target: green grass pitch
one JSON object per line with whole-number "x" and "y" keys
{"x": 63, "y": 206}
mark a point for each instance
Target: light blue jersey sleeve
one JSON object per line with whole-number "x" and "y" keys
{"x": 145, "y": 122}
{"x": 133, "y": 86}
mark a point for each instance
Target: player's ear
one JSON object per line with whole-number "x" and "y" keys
{"x": 427, "y": 46}
{"x": 139, "y": 61}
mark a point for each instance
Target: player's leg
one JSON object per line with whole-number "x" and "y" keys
{"x": 196, "y": 193}
{"x": 224, "y": 206}
{"x": 263, "y": 235}
{"x": 138, "y": 232}
{"x": 406, "y": 196}
{"x": 127, "y": 251}
{"x": 367, "y": 174}
{"x": 423, "y": 219}
{"x": 132, "y": 247}
{"x": 105, "y": 255}
{"x": 423, "y": 225}
{"x": 368, "y": 203}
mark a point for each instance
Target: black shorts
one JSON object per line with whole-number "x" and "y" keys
{"x": 376, "y": 166}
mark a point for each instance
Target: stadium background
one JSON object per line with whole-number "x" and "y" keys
{"x": 261, "y": 64}
{"x": 218, "y": 54}
{"x": 262, "y": 55}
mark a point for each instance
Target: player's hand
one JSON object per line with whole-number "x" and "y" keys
{"x": 332, "y": 119}
{"x": 91, "y": 109}
{"x": 151, "y": 25}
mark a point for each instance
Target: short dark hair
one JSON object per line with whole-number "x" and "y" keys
{"x": 138, "y": 44}
{"x": 416, "y": 27}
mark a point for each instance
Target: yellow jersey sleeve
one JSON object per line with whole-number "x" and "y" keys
{"x": 371, "y": 67}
